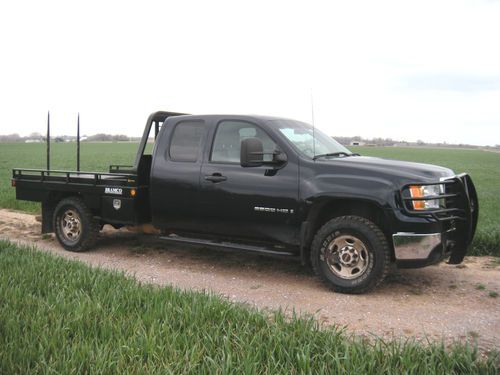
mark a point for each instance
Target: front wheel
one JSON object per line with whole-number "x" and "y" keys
{"x": 351, "y": 254}
{"x": 74, "y": 225}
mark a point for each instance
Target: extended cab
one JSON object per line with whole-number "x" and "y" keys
{"x": 268, "y": 185}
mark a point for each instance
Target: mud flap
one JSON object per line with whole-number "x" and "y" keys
{"x": 47, "y": 217}
{"x": 304, "y": 253}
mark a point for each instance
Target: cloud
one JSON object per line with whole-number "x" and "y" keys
{"x": 462, "y": 83}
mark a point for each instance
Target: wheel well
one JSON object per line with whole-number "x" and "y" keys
{"x": 325, "y": 211}
{"x": 56, "y": 196}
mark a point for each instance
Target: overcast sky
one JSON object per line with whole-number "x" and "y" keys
{"x": 407, "y": 70}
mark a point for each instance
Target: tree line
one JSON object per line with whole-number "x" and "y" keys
{"x": 38, "y": 137}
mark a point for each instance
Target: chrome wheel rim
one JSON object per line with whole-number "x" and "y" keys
{"x": 71, "y": 227}
{"x": 347, "y": 257}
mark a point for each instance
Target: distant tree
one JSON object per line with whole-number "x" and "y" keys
{"x": 101, "y": 137}
{"x": 11, "y": 138}
{"x": 120, "y": 138}
{"x": 35, "y": 135}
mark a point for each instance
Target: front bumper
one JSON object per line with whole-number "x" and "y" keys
{"x": 413, "y": 250}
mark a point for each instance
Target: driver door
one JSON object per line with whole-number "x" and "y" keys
{"x": 253, "y": 202}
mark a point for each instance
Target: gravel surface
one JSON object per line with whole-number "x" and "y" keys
{"x": 441, "y": 302}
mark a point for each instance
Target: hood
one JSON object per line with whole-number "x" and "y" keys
{"x": 394, "y": 170}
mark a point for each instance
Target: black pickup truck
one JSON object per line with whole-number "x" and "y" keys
{"x": 269, "y": 185}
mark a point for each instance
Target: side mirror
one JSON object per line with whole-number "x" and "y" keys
{"x": 252, "y": 154}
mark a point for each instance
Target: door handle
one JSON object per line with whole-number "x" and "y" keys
{"x": 215, "y": 177}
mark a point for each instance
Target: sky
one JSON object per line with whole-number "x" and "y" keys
{"x": 407, "y": 70}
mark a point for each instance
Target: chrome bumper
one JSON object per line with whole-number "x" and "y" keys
{"x": 413, "y": 246}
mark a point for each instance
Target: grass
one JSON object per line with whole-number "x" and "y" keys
{"x": 483, "y": 166}
{"x": 480, "y": 287}
{"x": 62, "y": 317}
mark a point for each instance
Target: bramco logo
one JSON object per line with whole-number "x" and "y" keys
{"x": 116, "y": 191}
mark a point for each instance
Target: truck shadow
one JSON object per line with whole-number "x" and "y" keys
{"x": 224, "y": 259}
{"x": 239, "y": 263}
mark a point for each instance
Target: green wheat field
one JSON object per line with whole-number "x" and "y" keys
{"x": 63, "y": 317}
{"x": 483, "y": 166}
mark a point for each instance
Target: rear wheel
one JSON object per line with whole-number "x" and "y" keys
{"x": 350, "y": 254}
{"x": 74, "y": 225}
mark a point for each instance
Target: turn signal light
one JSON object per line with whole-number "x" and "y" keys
{"x": 416, "y": 192}
{"x": 133, "y": 192}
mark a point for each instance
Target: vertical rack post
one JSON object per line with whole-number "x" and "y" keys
{"x": 78, "y": 143}
{"x": 48, "y": 140}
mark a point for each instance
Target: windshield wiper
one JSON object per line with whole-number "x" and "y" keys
{"x": 340, "y": 153}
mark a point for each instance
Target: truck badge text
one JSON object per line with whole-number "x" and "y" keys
{"x": 116, "y": 191}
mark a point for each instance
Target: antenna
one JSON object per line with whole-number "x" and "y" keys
{"x": 78, "y": 143}
{"x": 312, "y": 118}
{"x": 48, "y": 140}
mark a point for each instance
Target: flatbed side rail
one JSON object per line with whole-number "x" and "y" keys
{"x": 92, "y": 178}
{"x": 116, "y": 168}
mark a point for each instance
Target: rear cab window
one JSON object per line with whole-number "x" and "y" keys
{"x": 187, "y": 141}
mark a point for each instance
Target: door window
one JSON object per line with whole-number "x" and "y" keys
{"x": 187, "y": 140}
{"x": 227, "y": 142}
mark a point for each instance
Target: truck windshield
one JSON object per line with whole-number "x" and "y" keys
{"x": 300, "y": 135}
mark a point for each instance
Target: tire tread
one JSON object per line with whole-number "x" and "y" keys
{"x": 89, "y": 238}
{"x": 325, "y": 230}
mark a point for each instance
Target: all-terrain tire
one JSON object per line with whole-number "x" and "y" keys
{"x": 74, "y": 225}
{"x": 350, "y": 254}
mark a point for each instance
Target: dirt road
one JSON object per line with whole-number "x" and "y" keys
{"x": 437, "y": 302}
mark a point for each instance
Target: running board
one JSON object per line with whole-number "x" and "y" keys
{"x": 226, "y": 245}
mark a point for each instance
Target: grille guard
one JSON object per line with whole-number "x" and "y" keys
{"x": 463, "y": 216}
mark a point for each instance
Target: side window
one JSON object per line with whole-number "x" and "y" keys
{"x": 187, "y": 140}
{"x": 227, "y": 142}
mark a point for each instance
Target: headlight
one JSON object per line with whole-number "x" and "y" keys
{"x": 423, "y": 191}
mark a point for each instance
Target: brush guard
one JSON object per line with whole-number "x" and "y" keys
{"x": 458, "y": 218}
